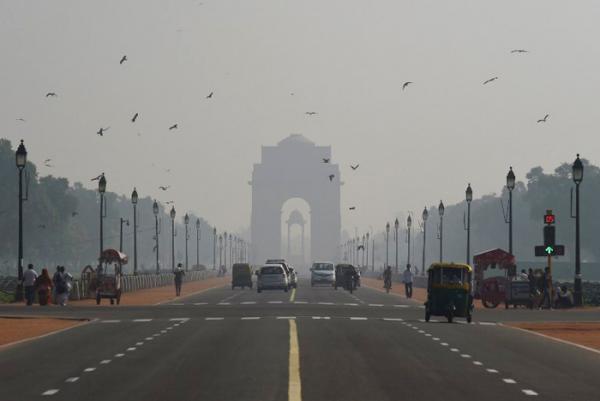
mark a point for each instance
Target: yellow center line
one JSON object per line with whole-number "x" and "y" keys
{"x": 294, "y": 386}
{"x": 293, "y": 295}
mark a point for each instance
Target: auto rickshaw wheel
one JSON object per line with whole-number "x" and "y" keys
{"x": 489, "y": 304}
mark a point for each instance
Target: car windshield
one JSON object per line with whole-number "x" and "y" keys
{"x": 271, "y": 270}
{"x": 323, "y": 267}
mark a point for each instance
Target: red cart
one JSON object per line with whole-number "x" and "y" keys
{"x": 493, "y": 290}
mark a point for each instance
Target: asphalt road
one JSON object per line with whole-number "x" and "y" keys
{"x": 309, "y": 344}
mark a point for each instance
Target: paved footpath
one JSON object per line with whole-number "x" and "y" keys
{"x": 310, "y": 344}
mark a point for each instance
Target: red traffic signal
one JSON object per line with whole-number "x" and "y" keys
{"x": 549, "y": 218}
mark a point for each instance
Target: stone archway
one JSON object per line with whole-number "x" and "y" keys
{"x": 295, "y": 169}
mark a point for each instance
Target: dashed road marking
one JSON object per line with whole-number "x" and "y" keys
{"x": 377, "y": 305}
{"x": 421, "y": 332}
{"x": 300, "y": 302}
{"x": 321, "y": 318}
{"x": 454, "y": 349}
{"x": 224, "y": 303}
{"x": 444, "y": 344}
{"x": 401, "y": 306}
{"x": 325, "y": 303}
{"x": 477, "y": 363}
{"x": 119, "y": 355}
{"x": 105, "y": 362}
{"x": 529, "y": 392}
{"x": 436, "y": 339}
{"x": 275, "y": 302}
{"x": 71, "y": 379}
{"x": 130, "y": 349}
{"x": 250, "y": 318}
{"x": 358, "y": 318}
{"x": 509, "y": 381}
{"x": 286, "y": 317}
{"x": 488, "y": 323}
{"x": 214, "y": 318}
{"x": 110, "y": 321}
{"x": 142, "y": 320}
{"x": 87, "y": 370}
{"x": 467, "y": 356}
{"x": 200, "y": 303}
{"x": 351, "y": 304}
{"x": 392, "y": 319}
{"x": 51, "y": 391}
{"x": 427, "y": 335}
{"x": 176, "y": 304}
{"x": 179, "y": 319}
{"x": 491, "y": 370}
{"x": 139, "y": 343}
{"x": 248, "y": 303}
{"x": 163, "y": 331}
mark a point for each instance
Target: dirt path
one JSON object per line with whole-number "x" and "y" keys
{"x": 582, "y": 333}
{"x": 17, "y": 329}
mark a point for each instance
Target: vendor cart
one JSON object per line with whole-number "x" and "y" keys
{"x": 109, "y": 275}
{"x": 496, "y": 289}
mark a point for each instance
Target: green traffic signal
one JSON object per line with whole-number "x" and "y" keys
{"x": 549, "y": 250}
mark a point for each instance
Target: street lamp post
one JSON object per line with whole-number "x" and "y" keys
{"x": 186, "y": 221}
{"x": 134, "y": 201}
{"x": 225, "y": 249}
{"x": 220, "y": 251}
{"x": 387, "y": 240}
{"x": 21, "y": 161}
{"x": 230, "y": 250}
{"x": 155, "y": 211}
{"x": 424, "y": 216}
{"x": 510, "y": 184}
{"x": 441, "y": 212}
{"x": 197, "y": 243}
{"x": 396, "y": 226}
{"x": 126, "y": 221}
{"x": 102, "y": 190}
{"x": 408, "y": 228}
{"x": 367, "y": 249}
{"x": 214, "y": 248}
{"x": 577, "y": 178}
{"x": 469, "y": 198}
{"x": 172, "y": 215}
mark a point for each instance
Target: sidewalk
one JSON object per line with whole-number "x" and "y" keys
{"x": 15, "y": 329}
{"x": 586, "y": 334}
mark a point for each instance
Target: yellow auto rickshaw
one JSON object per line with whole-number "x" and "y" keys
{"x": 241, "y": 275}
{"x": 449, "y": 291}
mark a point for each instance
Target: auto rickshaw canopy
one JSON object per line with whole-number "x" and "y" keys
{"x": 113, "y": 256}
{"x": 452, "y": 265}
{"x": 494, "y": 258}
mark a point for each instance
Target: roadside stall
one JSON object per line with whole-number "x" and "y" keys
{"x": 498, "y": 288}
{"x": 109, "y": 275}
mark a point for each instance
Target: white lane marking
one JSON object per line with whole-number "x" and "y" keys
{"x": 105, "y": 362}
{"x": 142, "y": 320}
{"x": 179, "y": 319}
{"x": 176, "y": 324}
{"x": 436, "y": 339}
{"x": 392, "y": 319}
{"x": 51, "y": 391}
{"x": 325, "y": 303}
{"x": 377, "y": 305}
{"x": 351, "y": 304}
{"x": 477, "y": 363}
{"x": 421, "y": 332}
{"x": 358, "y": 318}
{"x": 119, "y": 355}
{"x": 444, "y": 344}
{"x": 149, "y": 338}
{"x": 509, "y": 381}
{"x": 529, "y": 392}
{"x": 87, "y": 370}
{"x": 214, "y": 318}
{"x": 130, "y": 349}
{"x": 286, "y": 317}
{"x": 170, "y": 328}
{"x": 163, "y": 331}
{"x": 467, "y": 356}
{"x": 427, "y": 335}
{"x": 415, "y": 328}
{"x": 250, "y": 317}
{"x": 156, "y": 335}
{"x": 71, "y": 379}
{"x": 487, "y": 323}
{"x": 110, "y": 321}
{"x": 454, "y": 349}
{"x": 275, "y": 302}
{"x": 224, "y": 303}
{"x": 321, "y": 318}
{"x": 491, "y": 370}
{"x": 300, "y": 302}
{"x": 401, "y": 306}
{"x": 139, "y": 343}
{"x": 200, "y": 303}
{"x": 248, "y": 302}
{"x": 177, "y": 304}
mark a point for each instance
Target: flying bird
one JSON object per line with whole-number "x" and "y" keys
{"x": 543, "y": 120}
{"x": 21, "y": 119}
{"x": 331, "y": 176}
{"x": 101, "y": 131}
{"x": 519, "y": 51}
{"x": 210, "y": 95}
{"x": 172, "y": 127}
{"x": 325, "y": 160}
{"x": 404, "y": 85}
{"x": 354, "y": 167}
{"x": 47, "y": 161}
{"x": 51, "y": 94}
{"x": 98, "y": 177}
{"x": 42, "y": 226}
{"x": 352, "y": 207}
{"x": 311, "y": 113}
{"x": 123, "y": 59}
{"x": 169, "y": 202}
{"x": 135, "y": 116}
{"x": 490, "y": 80}
{"x": 164, "y": 188}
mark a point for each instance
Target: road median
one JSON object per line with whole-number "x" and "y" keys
{"x": 583, "y": 334}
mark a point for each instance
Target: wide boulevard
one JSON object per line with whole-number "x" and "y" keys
{"x": 307, "y": 344}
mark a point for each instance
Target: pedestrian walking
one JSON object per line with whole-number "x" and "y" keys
{"x": 407, "y": 279}
{"x": 62, "y": 282}
{"x": 29, "y": 278}
{"x": 43, "y": 285}
{"x": 179, "y": 273}
{"x": 546, "y": 287}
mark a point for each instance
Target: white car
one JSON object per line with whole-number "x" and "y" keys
{"x": 272, "y": 277}
{"x": 322, "y": 273}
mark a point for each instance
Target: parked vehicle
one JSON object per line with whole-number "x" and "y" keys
{"x": 108, "y": 276}
{"x": 322, "y": 273}
{"x": 241, "y": 275}
{"x": 272, "y": 277}
{"x": 449, "y": 291}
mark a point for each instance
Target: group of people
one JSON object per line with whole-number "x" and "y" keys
{"x": 542, "y": 285}
{"x": 47, "y": 289}
{"x": 407, "y": 279}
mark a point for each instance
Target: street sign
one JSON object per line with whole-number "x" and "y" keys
{"x": 549, "y": 250}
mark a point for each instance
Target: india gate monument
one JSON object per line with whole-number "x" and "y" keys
{"x": 295, "y": 168}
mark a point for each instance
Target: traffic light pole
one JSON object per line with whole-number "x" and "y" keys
{"x": 577, "y": 293}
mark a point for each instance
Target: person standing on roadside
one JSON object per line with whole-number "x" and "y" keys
{"x": 546, "y": 287}
{"x": 29, "y": 278}
{"x": 43, "y": 285}
{"x": 179, "y": 273}
{"x": 407, "y": 279}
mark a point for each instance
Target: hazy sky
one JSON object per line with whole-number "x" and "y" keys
{"x": 344, "y": 59}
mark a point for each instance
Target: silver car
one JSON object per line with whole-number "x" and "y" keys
{"x": 322, "y": 273}
{"x": 272, "y": 277}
